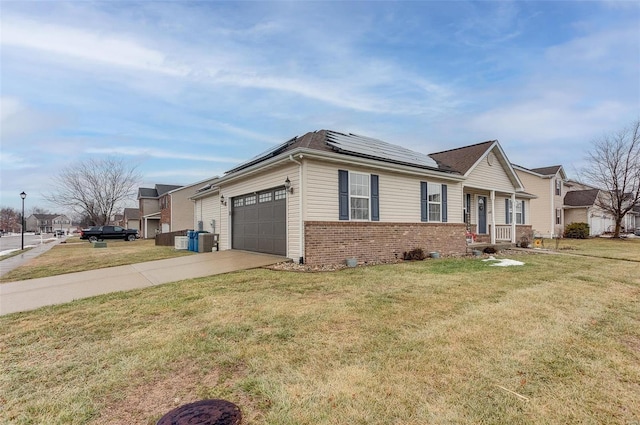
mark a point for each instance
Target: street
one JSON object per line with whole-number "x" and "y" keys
{"x": 11, "y": 242}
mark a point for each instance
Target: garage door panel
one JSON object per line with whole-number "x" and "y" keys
{"x": 260, "y": 226}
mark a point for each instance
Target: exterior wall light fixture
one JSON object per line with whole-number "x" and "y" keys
{"x": 287, "y": 185}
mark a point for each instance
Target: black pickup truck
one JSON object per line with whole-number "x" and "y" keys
{"x": 94, "y": 234}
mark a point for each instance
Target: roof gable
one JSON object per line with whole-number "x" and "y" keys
{"x": 581, "y": 198}
{"x": 465, "y": 158}
{"x": 132, "y": 213}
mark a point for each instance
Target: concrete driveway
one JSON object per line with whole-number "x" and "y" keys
{"x": 34, "y": 293}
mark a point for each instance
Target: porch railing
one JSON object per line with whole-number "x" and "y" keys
{"x": 503, "y": 233}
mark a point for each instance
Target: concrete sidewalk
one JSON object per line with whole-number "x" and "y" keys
{"x": 34, "y": 293}
{"x": 17, "y": 260}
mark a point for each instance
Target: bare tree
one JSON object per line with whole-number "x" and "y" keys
{"x": 614, "y": 166}
{"x": 95, "y": 188}
{"x": 10, "y": 219}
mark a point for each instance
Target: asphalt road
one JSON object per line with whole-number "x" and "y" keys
{"x": 15, "y": 241}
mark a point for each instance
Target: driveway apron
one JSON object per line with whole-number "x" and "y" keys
{"x": 34, "y": 293}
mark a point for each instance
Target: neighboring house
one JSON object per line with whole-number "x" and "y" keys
{"x": 636, "y": 218}
{"x": 131, "y": 218}
{"x": 47, "y": 223}
{"x": 150, "y": 208}
{"x": 327, "y": 196}
{"x": 548, "y": 184}
{"x": 177, "y": 210}
{"x": 580, "y": 207}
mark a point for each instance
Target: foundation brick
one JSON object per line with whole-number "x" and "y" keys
{"x": 334, "y": 242}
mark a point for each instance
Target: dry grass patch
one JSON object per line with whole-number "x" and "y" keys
{"x": 623, "y": 249}
{"x": 412, "y": 343}
{"x": 77, "y": 256}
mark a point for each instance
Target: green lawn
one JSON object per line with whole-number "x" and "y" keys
{"x": 433, "y": 342}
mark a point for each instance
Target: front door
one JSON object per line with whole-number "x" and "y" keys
{"x": 482, "y": 215}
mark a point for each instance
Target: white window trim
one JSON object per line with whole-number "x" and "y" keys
{"x": 517, "y": 217}
{"x": 368, "y": 198}
{"x": 429, "y": 203}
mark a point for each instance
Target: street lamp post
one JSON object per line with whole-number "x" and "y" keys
{"x": 23, "y": 195}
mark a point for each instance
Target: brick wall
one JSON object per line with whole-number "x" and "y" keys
{"x": 332, "y": 242}
{"x": 165, "y": 213}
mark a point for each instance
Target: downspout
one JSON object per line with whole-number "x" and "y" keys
{"x": 301, "y": 224}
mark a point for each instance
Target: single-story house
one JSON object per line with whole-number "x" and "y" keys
{"x": 580, "y": 207}
{"x": 131, "y": 218}
{"x": 327, "y": 196}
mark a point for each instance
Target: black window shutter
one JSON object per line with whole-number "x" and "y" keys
{"x": 375, "y": 198}
{"x": 506, "y": 208}
{"x": 444, "y": 203}
{"x": 423, "y": 202}
{"x": 523, "y": 222}
{"x": 343, "y": 190}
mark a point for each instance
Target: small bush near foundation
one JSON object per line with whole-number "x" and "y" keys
{"x": 577, "y": 231}
{"x": 415, "y": 254}
{"x": 489, "y": 250}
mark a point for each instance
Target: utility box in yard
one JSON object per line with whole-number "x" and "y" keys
{"x": 207, "y": 241}
{"x": 181, "y": 242}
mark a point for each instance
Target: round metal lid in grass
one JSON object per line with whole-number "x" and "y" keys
{"x": 203, "y": 412}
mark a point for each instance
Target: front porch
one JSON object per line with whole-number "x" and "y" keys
{"x": 505, "y": 234}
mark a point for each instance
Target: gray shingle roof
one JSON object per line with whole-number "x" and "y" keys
{"x": 462, "y": 159}
{"x": 581, "y": 198}
{"x": 158, "y": 190}
{"x": 547, "y": 171}
{"x": 132, "y": 213}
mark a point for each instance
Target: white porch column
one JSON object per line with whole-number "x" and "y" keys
{"x": 146, "y": 227}
{"x": 513, "y": 218}
{"x": 493, "y": 217}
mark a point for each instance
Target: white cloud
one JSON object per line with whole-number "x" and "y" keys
{"x": 86, "y": 45}
{"x": 11, "y": 161}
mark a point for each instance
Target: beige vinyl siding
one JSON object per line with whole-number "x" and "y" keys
{"x": 399, "y": 194}
{"x": 542, "y": 216}
{"x": 261, "y": 181}
{"x": 149, "y": 206}
{"x": 490, "y": 177}
{"x": 576, "y": 215}
{"x": 182, "y": 209}
{"x": 208, "y": 209}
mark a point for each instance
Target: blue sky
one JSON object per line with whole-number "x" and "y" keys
{"x": 188, "y": 90}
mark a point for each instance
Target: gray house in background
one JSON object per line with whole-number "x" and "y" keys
{"x": 149, "y": 200}
{"x": 131, "y": 218}
{"x": 47, "y": 223}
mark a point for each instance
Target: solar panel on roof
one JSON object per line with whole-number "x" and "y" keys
{"x": 369, "y": 147}
{"x": 264, "y": 155}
